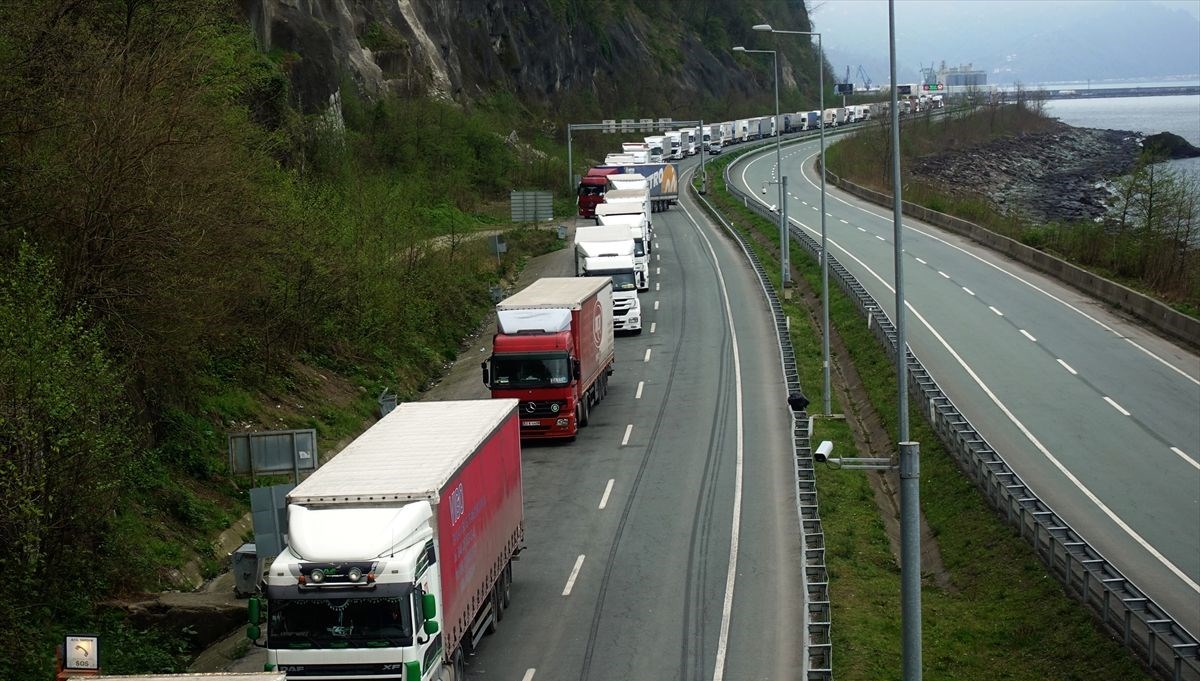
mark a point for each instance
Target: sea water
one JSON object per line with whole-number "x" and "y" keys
{"x": 1179, "y": 114}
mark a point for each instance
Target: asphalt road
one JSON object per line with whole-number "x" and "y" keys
{"x": 1098, "y": 415}
{"x": 630, "y": 530}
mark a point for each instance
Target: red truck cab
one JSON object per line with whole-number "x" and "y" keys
{"x": 553, "y": 352}
{"x": 591, "y": 190}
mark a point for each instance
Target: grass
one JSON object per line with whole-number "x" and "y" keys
{"x": 1004, "y": 616}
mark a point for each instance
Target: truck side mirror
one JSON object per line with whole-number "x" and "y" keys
{"x": 487, "y": 373}
{"x": 253, "y": 613}
{"x": 428, "y": 613}
{"x": 576, "y": 369}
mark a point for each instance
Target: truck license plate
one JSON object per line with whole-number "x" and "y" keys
{"x": 531, "y": 423}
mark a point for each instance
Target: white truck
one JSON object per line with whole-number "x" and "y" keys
{"x": 687, "y": 138}
{"x": 615, "y": 236}
{"x": 673, "y": 147}
{"x": 627, "y": 201}
{"x": 399, "y": 555}
{"x": 655, "y": 145}
{"x": 609, "y": 253}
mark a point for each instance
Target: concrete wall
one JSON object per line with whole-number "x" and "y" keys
{"x": 1165, "y": 320}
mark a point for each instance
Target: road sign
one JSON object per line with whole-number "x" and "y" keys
{"x": 904, "y": 89}
{"x": 933, "y": 87}
{"x": 845, "y": 88}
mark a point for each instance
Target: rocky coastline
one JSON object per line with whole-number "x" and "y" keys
{"x": 1059, "y": 175}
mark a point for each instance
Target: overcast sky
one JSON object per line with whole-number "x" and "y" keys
{"x": 1029, "y": 40}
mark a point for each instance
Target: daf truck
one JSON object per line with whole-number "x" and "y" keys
{"x": 553, "y": 351}
{"x": 400, "y": 548}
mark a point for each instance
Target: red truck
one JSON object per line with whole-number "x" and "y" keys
{"x": 591, "y": 189}
{"x": 553, "y": 351}
{"x": 400, "y": 548}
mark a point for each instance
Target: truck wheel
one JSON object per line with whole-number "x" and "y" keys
{"x": 496, "y": 611}
{"x": 584, "y": 417}
{"x": 458, "y": 664}
{"x": 506, "y": 592}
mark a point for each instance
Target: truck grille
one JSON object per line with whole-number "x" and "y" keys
{"x": 542, "y": 408}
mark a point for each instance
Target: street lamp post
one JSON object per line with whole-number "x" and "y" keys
{"x": 827, "y": 403}
{"x": 784, "y": 241}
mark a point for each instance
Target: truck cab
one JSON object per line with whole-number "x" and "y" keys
{"x": 592, "y": 188}
{"x": 635, "y": 226}
{"x": 627, "y": 309}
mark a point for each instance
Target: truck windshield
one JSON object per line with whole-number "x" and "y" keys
{"x": 639, "y": 248}
{"x": 340, "y": 623}
{"x": 530, "y": 371}
{"x": 591, "y": 190}
{"x": 621, "y": 281}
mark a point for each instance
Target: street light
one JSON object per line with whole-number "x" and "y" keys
{"x": 784, "y": 241}
{"x": 824, "y": 257}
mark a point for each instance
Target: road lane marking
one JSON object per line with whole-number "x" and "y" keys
{"x": 641, "y": 384}
{"x": 1115, "y": 405}
{"x": 647, "y": 357}
{"x": 735, "y": 534}
{"x": 998, "y": 312}
{"x": 1033, "y": 439}
{"x": 607, "y": 491}
{"x": 921, "y": 261}
{"x": 652, "y": 325}
{"x": 862, "y": 229}
{"x": 1027, "y": 335}
{"x": 944, "y": 275}
{"x": 1186, "y": 458}
{"x": 658, "y": 257}
{"x": 529, "y": 674}
{"x": 880, "y": 238}
{"x": 843, "y": 221}
{"x": 657, "y": 270}
{"x": 657, "y": 286}
{"x": 1068, "y": 368}
{"x": 574, "y": 574}
{"x": 656, "y": 305}
{"x": 628, "y": 432}
{"x": 969, "y": 291}
{"x": 1146, "y": 351}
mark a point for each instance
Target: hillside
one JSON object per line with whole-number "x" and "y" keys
{"x": 217, "y": 219}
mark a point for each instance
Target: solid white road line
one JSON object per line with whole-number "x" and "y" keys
{"x": 528, "y": 674}
{"x": 646, "y": 358}
{"x": 1028, "y": 335}
{"x": 1068, "y": 368}
{"x": 735, "y": 534}
{"x": 628, "y": 432}
{"x": 998, "y": 312}
{"x": 607, "y": 491}
{"x": 1115, "y": 405}
{"x": 998, "y": 268}
{"x": 574, "y": 574}
{"x": 652, "y": 325}
{"x": 969, "y": 291}
{"x": 641, "y": 384}
{"x": 1186, "y": 458}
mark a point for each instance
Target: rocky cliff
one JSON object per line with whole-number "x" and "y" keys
{"x": 609, "y": 57}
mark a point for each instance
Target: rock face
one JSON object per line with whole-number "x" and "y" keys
{"x": 1170, "y": 145}
{"x": 538, "y": 50}
{"x": 1049, "y": 176}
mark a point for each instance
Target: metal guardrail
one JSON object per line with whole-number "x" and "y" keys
{"x": 818, "y": 662}
{"x": 1124, "y": 610}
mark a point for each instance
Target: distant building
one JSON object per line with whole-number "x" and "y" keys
{"x": 961, "y": 76}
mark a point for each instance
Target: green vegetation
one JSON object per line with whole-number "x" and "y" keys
{"x": 186, "y": 254}
{"x": 1148, "y": 242}
{"x": 1003, "y": 616}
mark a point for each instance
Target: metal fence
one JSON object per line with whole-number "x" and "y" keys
{"x": 1124, "y": 610}
{"x": 818, "y": 662}
{"x": 531, "y": 206}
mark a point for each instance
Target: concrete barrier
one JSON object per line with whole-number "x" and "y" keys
{"x": 1167, "y": 321}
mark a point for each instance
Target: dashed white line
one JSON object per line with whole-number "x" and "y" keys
{"x": 862, "y": 229}
{"x": 804, "y": 202}
{"x": 1028, "y": 335}
{"x": 969, "y": 291}
{"x": 998, "y": 312}
{"x": 641, "y": 384}
{"x": 829, "y": 215}
{"x": 628, "y": 432}
{"x": 815, "y": 208}
{"x": 1068, "y": 368}
{"x": 880, "y": 238}
{"x": 571, "y": 579}
{"x": 607, "y": 491}
{"x": 944, "y": 275}
{"x": 1115, "y": 405}
{"x": 843, "y": 221}
{"x": 656, "y": 305}
{"x": 647, "y": 357}
{"x": 652, "y": 325}
{"x": 657, "y": 270}
{"x": 920, "y": 261}
{"x": 657, "y": 286}
{"x": 658, "y": 257}
{"x": 528, "y": 674}
{"x": 1185, "y": 457}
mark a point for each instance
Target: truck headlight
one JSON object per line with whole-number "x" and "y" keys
{"x": 634, "y": 320}
{"x": 562, "y": 423}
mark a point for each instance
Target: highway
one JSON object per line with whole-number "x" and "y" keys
{"x": 1098, "y": 415}
{"x": 664, "y": 542}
